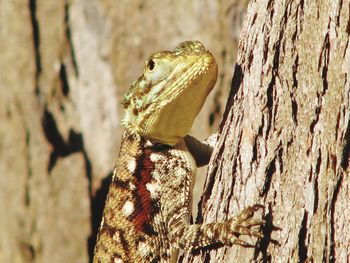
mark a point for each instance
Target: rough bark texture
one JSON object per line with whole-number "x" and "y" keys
{"x": 286, "y": 134}
{"x": 64, "y": 66}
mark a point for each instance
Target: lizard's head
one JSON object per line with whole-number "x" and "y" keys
{"x": 163, "y": 103}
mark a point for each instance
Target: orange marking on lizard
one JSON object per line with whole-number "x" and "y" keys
{"x": 143, "y": 175}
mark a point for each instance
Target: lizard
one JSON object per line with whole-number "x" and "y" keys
{"x": 148, "y": 207}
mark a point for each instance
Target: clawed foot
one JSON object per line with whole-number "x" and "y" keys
{"x": 243, "y": 224}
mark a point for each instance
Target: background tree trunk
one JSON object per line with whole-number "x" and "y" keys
{"x": 64, "y": 66}
{"x": 286, "y": 133}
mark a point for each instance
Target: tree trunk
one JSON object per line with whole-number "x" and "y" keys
{"x": 64, "y": 67}
{"x": 285, "y": 137}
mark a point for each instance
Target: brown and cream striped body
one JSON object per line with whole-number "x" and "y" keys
{"x": 149, "y": 200}
{"x": 148, "y": 208}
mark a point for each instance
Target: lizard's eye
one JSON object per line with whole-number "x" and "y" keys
{"x": 151, "y": 65}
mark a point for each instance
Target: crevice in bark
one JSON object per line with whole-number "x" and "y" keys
{"x": 207, "y": 193}
{"x": 332, "y": 162}
{"x": 302, "y": 5}
{"x": 332, "y": 205}
{"x": 229, "y": 198}
{"x": 270, "y": 88}
{"x": 275, "y": 69}
{"x": 251, "y": 55}
{"x": 280, "y": 158}
{"x": 339, "y": 11}
{"x": 237, "y": 161}
{"x": 295, "y": 85}
{"x": 271, "y": 169}
{"x": 337, "y": 125}
{"x": 310, "y": 174}
{"x": 36, "y": 40}
{"x": 266, "y": 47}
{"x": 346, "y": 150}
{"x": 325, "y": 249}
{"x": 209, "y": 186}
{"x": 254, "y": 19}
{"x": 290, "y": 142}
{"x": 324, "y": 57}
{"x": 236, "y": 83}
{"x": 60, "y": 148}
{"x": 269, "y": 102}
{"x": 233, "y": 182}
{"x": 348, "y": 26}
{"x": 299, "y": 9}
{"x": 294, "y": 110}
{"x": 344, "y": 54}
{"x": 29, "y": 170}
{"x": 255, "y": 150}
{"x": 271, "y": 9}
{"x": 302, "y": 248}
{"x": 319, "y": 100}
{"x": 315, "y": 120}
{"x": 332, "y": 223}
{"x": 315, "y": 185}
{"x": 70, "y": 39}
{"x": 64, "y": 80}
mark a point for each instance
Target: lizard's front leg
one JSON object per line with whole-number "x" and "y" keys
{"x": 176, "y": 206}
{"x": 188, "y": 237}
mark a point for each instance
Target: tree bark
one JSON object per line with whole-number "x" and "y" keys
{"x": 285, "y": 137}
{"x": 64, "y": 67}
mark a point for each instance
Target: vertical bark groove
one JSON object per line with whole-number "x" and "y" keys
{"x": 70, "y": 40}
{"x": 36, "y": 36}
{"x": 302, "y": 249}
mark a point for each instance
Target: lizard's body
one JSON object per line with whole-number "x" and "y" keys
{"x": 148, "y": 208}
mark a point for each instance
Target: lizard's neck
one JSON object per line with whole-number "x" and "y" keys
{"x": 136, "y": 141}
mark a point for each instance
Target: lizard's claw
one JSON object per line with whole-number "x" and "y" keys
{"x": 244, "y": 224}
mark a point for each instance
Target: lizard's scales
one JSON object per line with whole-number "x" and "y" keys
{"x": 147, "y": 211}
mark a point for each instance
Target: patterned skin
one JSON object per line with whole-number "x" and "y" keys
{"x": 148, "y": 208}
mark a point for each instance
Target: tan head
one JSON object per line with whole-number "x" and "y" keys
{"x": 163, "y": 103}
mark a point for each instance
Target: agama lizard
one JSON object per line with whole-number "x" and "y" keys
{"x": 148, "y": 208}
